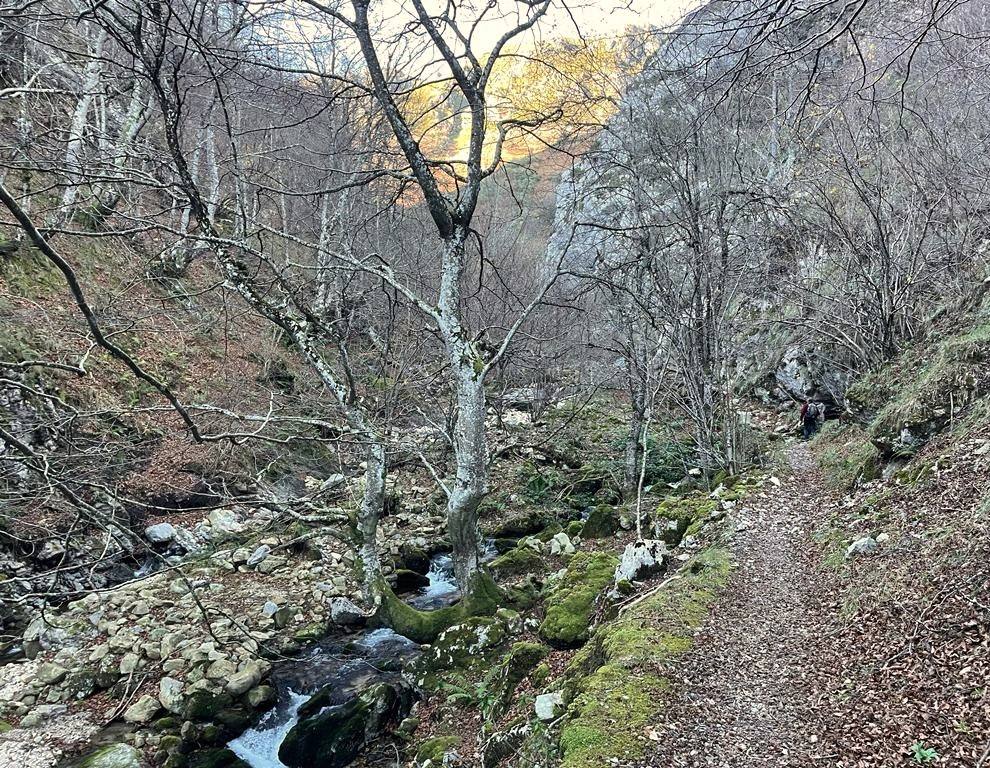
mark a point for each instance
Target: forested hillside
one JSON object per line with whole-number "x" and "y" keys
{"x": 520, "y": 384}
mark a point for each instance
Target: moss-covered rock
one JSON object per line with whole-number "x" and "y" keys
{"x": 612, "y": 683}
{"x": 483, "y": 599}
{"x": 526, "y": 523}
{"x": 848, "y": 456}
{"x": 113, "y": 756}
{"x": 571, "y": 603}
{"x": 332, "y": 737}
{"x": 214, "y": 758}
{"x": 521, "y": 659}
{"x": 431, "y": 752}
{"x": 462, "y": 644}
{"x": 203, "y": 705}
{"x": 675, "y": 515}
{"x": 602, "y": 522}
{"x": 516, "y": 562}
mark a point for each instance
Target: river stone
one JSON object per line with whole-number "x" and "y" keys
{"x": 549, "y": 705}
{"x": 113, "y": 756}
{"x": 161, "y": 533}
{"x": 332, "y": 737}
{"x": 243, "y": 681}
{"x": 345, "y": 613}
{"x": 170, "y": 694}
{"x": 143, "y": 710}
{"x": 640, "y": 560}
{"x": 258, "y": 697}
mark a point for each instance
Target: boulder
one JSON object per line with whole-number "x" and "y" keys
{"x": 160, "y": 533}
{"x": 170, "y": 695}
{"x": 641, "y": 560}
{"x": 224, "y": 522}
{"x": 571, "y": 603}
{"x": 113, "y": 756}
{"x": 345, "y": 613}
{"x": 602, "y": 522}
{"x": 561, "y": 544}
{"x": 332, "y": 737}
{"x": 247, "y": 678}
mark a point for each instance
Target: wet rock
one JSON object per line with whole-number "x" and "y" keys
{"x": 243, "y": 681}
{"x": 143, "y": 710}
{"x": 548, "y": 706}
{"x": 260, "y": 696}
{"x": 113, "y": 756}
{"x": 345, "y": 613}
{"x": 202, "y": 705}
{"x": 333, "y": 737}
{"x": 409, "y": 581}
{"x": 160, "y": 533}
{"x": 641, "y": 560}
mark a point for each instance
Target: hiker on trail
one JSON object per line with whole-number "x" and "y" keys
{"x": 809, "y": 419}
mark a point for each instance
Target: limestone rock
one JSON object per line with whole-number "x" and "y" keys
{"x": 549, "y": 705}
{"x": 143, "y": 710}
{"x": 170, "y": 694}
{"x": 160, "y": 533}
{"x": 640, "y": 560}
{"x": 345, "y": 613}
{"x": 243, "y": 681}
{"x": 258, "y": 555}
{"x": 561, "y": 544}
{"x": 867, "y": 545}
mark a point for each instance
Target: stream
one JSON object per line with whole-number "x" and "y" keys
{"x": 347, "y": 662}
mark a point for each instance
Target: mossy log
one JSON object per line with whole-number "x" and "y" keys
{"x": 482, "y": 599}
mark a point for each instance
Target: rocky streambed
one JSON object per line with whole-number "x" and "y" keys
{"x": 343, "y": 691}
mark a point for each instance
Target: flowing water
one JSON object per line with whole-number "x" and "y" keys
{"x": 348, "y": 663}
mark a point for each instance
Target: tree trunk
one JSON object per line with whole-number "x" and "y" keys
{"x": 372, "y": 504}
{"x": 471, "y": 481}
{"x": 467, "y": 370}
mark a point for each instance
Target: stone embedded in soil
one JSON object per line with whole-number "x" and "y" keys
{"x": 549, "y": 705}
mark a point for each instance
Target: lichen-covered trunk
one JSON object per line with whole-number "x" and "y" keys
{"x": 471, "y": 480}
{"x": 372, "y": 504}
{"x": 467, "y": 372}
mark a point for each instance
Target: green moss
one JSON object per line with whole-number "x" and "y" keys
{"x": 483, "y": 599}
{"x": 574, "y": 528}
{"x": 526, "y": 523}
{"x": 5, "y": 726}
{"x": 522, "y": 658}
{"x": 518, "y": 561}
{"x": 847, "y": 456}
{"x": 571, "y": 603}
{"x": 601, "y": 522}
{"x": 928, "y": 386}
{"x": 614, "y": 683}
{"x": 432, "y": 750}
{"x": 676, "y": 515}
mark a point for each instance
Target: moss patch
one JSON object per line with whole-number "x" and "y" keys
{"x": 483, "y": 599}
{"x": 601, "y": 522}
{"x": 616, "y": 682}
{"x": 676, "y": 516}
{"x": 431, "y": 751}
{"x": 522, "y": 559}
{"x": 571, "y": 603}
{"x": 847, "y": 456}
